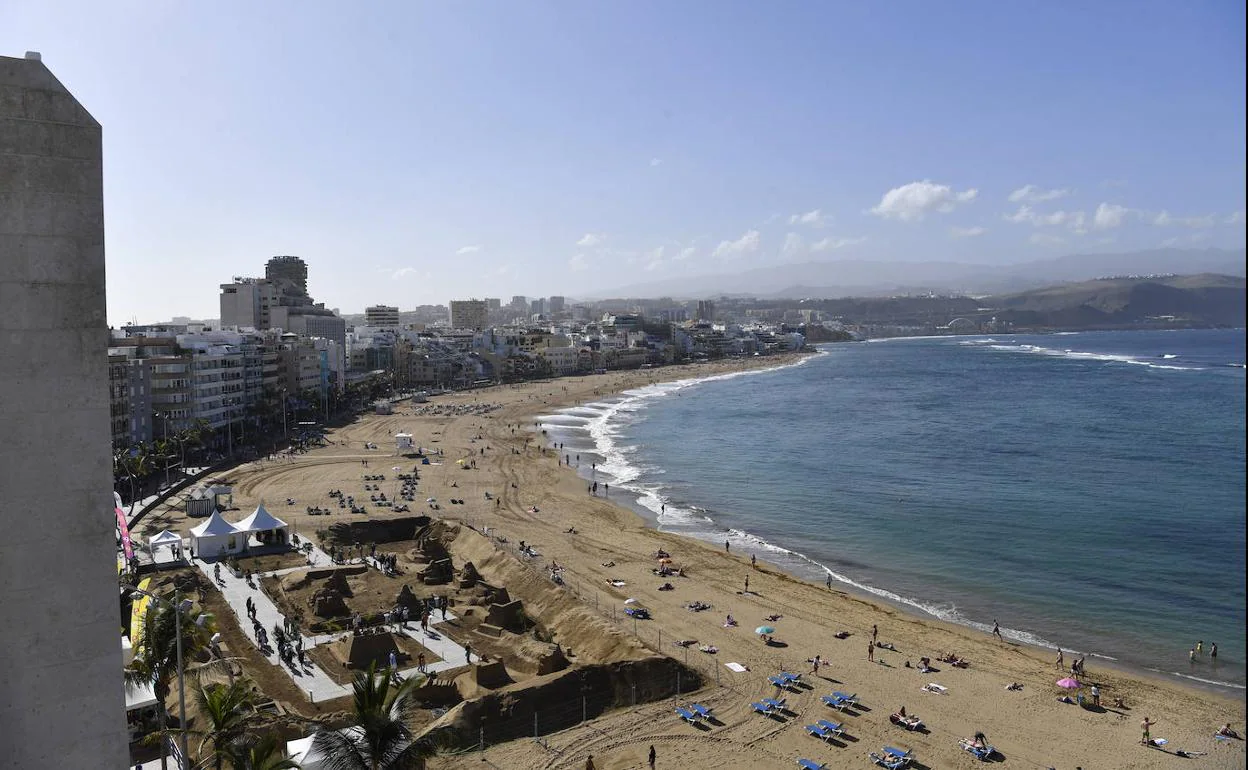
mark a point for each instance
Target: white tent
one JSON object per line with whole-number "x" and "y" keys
{"x": 403, "y": 442}
{"x": 215, "y": 536}
{"x": 164, "y": 538}
{"x": 301, "y": 751}
{"x": 139, "y": 696}
{"x": 261, "y": 521}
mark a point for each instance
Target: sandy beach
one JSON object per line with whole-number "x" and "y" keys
{"x": 535, "y": 498}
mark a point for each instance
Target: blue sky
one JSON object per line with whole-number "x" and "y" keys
{"x": 416, "y": 152}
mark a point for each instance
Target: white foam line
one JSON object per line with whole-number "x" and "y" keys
{"x": 1079, "y": 355}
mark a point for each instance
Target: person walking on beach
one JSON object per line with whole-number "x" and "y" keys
{"x": 814, "y": 665}
{"x": 747, "y": 584}
{"x": 871, "y": 652}
{"x": 652, "y": 757}
{"x": 1200, "y": 644}
{"x": 1096, "y": 695}
{"x": 589, "y": 762}
{"x": 1191, "y": 655}
{"x": 726, "y": 547}
{"x": 1145, "y": 725}
{"x": 996, "y": 629}
{"x": 829, "y": 581}
{"x": 1213, "y": 650}
{"x": 875, "y": 633}
{"x": 1061, "y": 663}
{"x": 754, "y": 561}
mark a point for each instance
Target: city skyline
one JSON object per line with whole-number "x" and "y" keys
{"x": 416, "y": 155}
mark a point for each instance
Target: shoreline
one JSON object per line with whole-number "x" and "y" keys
{"x": 871, "y": 593}
{"x": 606, "y": 550}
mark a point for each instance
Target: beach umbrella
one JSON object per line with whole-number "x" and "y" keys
{"x": 630, "y": 601}
{"x": 764, "y": 630}
{"x": 1069, "y": 683}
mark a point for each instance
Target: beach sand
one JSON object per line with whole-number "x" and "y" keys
{"x": 1028, "y": 727}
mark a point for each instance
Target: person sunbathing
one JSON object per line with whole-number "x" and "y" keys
{"x": 667, "y": 587}
{"x": 729, "y": 622}
{"x": 886, "y": 646}
{"x": 1119, "y": 703}
{"x": 1013, "y": 686}
{"x": 1227, "y": 732}
{"x": 709, "y": 649}
{"x": 773, "y": 618}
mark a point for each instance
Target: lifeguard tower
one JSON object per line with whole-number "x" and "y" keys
{"x": 403, "y": 443}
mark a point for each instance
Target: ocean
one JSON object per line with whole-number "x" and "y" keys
{"x": 1085, "y": 489}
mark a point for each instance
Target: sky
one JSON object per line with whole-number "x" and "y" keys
{"x": 416, "y": 152}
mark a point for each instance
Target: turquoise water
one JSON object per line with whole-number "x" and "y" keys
{"x": 1087, "y": 489}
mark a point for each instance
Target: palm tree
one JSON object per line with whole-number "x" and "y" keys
{"x": 155, "y": 660}
{"x": 259, "y": 752}
{"x": 131, "y": 463}
{"x": 378, "y": 738}
{"x": 225, "y": 710}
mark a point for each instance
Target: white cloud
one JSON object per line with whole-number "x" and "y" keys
{"x": 746, "y": 244}
{"x": 913, "y": 201}
{"x": 656, "y": 162}
{"x": 1075, "y": 220}
{"x": 684, "y": 253}
{"x": 831, "y": 244}
{"x": 654, "y": 258}
{"x": 578, "y": 263}
{"x": 814, "y": 218}
{"x": 1044, "y": 239}
{"x": 403, "y": 272}
{"x": 1164, "y": 219}
{"x": 1030, "y": 193}
{"x": 966, "y": 232}
{"x": 1235, "y": 218}
{"x": 793, "y": 244}
{"x": 468, "y": 249}
{"x": 591, "y": 239}
{"x": 1109, "y": 216}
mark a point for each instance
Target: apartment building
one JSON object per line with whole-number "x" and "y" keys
{"x": 469, "y": 314}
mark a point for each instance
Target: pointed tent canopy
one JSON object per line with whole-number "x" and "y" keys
{"x": 260, "y": 520}
{"x": 164, "y": 538}
{"x": 215, "y": 525}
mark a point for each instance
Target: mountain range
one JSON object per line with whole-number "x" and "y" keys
{"x": 865, "y": 279}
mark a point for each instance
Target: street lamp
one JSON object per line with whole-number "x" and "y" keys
{"x": 178, "y": 606}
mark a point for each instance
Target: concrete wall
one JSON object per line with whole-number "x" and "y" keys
{"x": 61, "y": 694}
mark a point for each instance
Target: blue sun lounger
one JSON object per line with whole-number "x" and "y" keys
{"x": 761, "y": 708}
{"x": 837, "y": 703}
{"x": 889, "y": 764}
{"x": 818, "y": 731}
{"x": 982, "y": 753}
{"x": 776, "y": 705}
{"x": 786, "y": 676}
{"x": 700, "y": 710}
{"x": 780, "y": 682}
{"x": 809, "y": 764}
{"x": 834, "y": 729}
{"x": 895, "y": 753}
{"x": 687, "y": 715}
{"x": 850, "y": 699}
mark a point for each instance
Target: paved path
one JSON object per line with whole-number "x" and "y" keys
{"x": 311, "y": 678}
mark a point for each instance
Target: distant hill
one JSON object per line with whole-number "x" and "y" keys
{"x": 1207, "y": 299}
{"x": 859, "y": 278}
{"x": 1163, "y": 301}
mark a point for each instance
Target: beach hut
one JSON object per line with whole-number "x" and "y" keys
{"x": 403, "y": 442}
{"x": 216, "y": 537}
{"x": 266, "y": 527}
